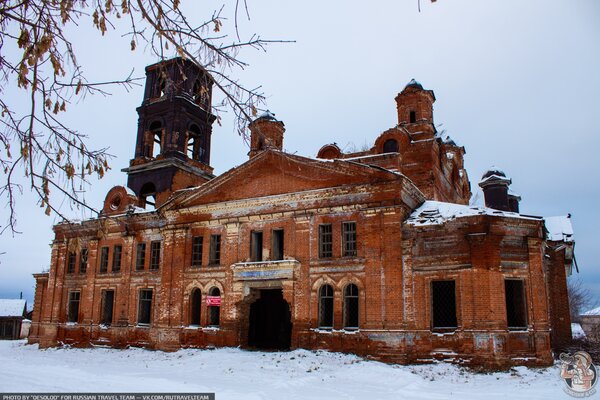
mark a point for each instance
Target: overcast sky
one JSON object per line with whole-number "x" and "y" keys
{"x": 516, "y": 83}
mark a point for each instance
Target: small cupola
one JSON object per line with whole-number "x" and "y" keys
{"x": 494, "y": 184}
{"x": 266, "y": 132}
{"x": 415, "y": 110}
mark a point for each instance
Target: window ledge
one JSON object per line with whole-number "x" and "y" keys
{"x": 140, "y": 325}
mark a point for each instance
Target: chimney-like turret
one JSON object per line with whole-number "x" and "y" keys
{"x": 415, "y": 110}
{"x": 494, "y": 184}
{"x": 266, "y": 132}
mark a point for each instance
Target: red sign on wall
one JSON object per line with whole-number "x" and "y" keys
{"x": 213, "y": 301}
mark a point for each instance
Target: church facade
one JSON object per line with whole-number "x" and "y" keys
{"x": 376, "y": 253}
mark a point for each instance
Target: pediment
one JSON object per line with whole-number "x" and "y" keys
{"x": 273, "y": 173}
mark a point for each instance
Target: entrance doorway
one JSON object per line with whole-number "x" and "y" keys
{"x": 270, "y": 321}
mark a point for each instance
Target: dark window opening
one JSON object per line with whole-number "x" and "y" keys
{"x": 215, "y": 250}
{"x": 71, "y": 262}
{"x": 148, "y": 195}
{"x": 326, "y": 307}
{"x": 154, "y": 255}
{"x": 443, "y": 302}
{"x": 156, "y": 141}
{"x": 197, "y": 251}
{"x": 516, "y": 306}
{"x": 200, "y": 92}
{"x": 104, "y": 259}
{"x": 325, "y": 241}
{"x": 108, "y": 301}
{"x": 351, "y": 307}
{"x": 390, "y": 146}
{"x": 256, "y": 246}
{"x": 73, "y": 311}
{"x": 214, "y": 311}
{"x": 195, "y": 304}
{"x": 145, "y": 307}
{"x": 349, "y": 239}
{"x": 161, "y": 85}
{"x": 116, "y": 262}
{"x": 194, "y": 148}
{"x": 413, "y": 116}
{"x": 277, "y": 244}
{"x": 140, "y": 256}
{"x": 83, "y": 258}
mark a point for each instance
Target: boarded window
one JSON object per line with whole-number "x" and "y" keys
{"x": 215, "y": 250}
{"x": 73, "y": 311}
{"x": 349, "y": 239}
{"x": 351, "y": 307}
{"x": 390, "y": 146}
{"x": 116, "y": 262}
{"x": 325, "y": 241}
{"x": 413, "y": 116}
{"x": 214, "y": 312}
{"x": 326, "y": 307}
{"x": 104, "y": 259}
{"x": 195, "y": 304}
{"x": 108, "y": 301}
{"x": 443, "y": 305}
{"x": 140, "y": 256}
{"x": 83, "y": 258}
{"x": 154, "y": 255}
{"x": 277, "y": 244}
{"x": 145, "y": 307}
{"x": 516, "y": 306}
{"x": 71, "y": 262}
{"x": 256, "y": 246}
{"x": 197, "y": 242}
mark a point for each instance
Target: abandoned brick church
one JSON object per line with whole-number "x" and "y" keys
{"x": 375, "y": 252}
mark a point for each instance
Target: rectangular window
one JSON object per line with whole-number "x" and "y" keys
{"x": 154, "y": 255}
{"x": 325, "y": 241}
{"x": 197, "y": 242}
{"x": 140, "y": 256}
{"x": 516, "y": 306}
{"x": 108, "y": 300}
{"x": 443, "y": 305}
{"x": 349, "y": 239}
{"x": 215, "y": 250}
{"x": 145, "y": 307}
{"x": 71, "y": 262}
{"x": 73, "y": 311}
{"x": 116, "y": 263}
{"x": 256, "y": 246}
{"x": 277, "y": 244}
{"x": 104, "y": 259}
{"x": 83, "y": 256}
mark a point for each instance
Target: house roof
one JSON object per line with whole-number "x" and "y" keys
{"x": 12, "y": 307}
{"x": 559, "y": 228}
{"x": 593, "y": 312}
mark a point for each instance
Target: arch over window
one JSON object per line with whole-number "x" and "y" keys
{"x": 390, "y": 146}
{"x": 195, "y": 304}
{"x": 148, "y": 195}
{"x": 194, "y": 148}
{"x": 326, "y": 307}
{"x": 351, "y": 307}
{"x": 214, "y": 310}
{"x": 154, "y": 143}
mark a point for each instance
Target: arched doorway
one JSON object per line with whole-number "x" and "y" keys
{"x": 270, "y": 325}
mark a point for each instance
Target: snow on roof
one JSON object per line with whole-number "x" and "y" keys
{"x": 559, "y": 228}
{"x": 577, "y": 331}
{"x": 593, "y": 312}
{"x": 437, "y": 212}
{"x": 12, "y": 307}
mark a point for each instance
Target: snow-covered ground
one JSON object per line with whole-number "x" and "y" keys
{"x": 236, "y": 374}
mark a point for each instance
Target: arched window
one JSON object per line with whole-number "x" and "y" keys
{"x": 214, "y": 306}
{"x": 195, "y": 304}
{"x": 161, "y": 86}
{"x": 326, "y": 307}
{"x": 390, "y": 146}
{"x": 351, "y": 307}
{"x": 153, "y": 146}
{"x": 194, "y": 143}
{"x": 148, "y": 195}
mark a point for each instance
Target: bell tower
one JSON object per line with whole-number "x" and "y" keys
{"x": 172, "y": 150}
{"x": 415, "y": 110}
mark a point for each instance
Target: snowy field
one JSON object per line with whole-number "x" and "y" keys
{"x": 235, "y": 374}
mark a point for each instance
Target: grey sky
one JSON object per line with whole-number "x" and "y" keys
{"x": 516, "y": 84}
